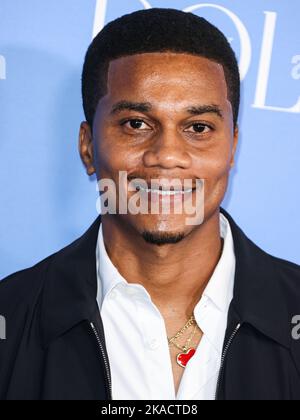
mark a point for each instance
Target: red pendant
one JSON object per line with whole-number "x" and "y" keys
{"x": 184, "y": 358}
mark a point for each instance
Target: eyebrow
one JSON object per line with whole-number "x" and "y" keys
{"x": 147, "y": 107}
{"x": 130, "y": 106}
{"x": 205, "y": 109}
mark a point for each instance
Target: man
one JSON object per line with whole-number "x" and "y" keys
{"x": 144, "y": 305}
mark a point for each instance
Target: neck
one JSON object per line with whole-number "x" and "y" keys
{"x": 175, "y": 275}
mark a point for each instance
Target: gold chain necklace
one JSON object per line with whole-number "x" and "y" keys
{"x": 186, "y": 346}
{"x": 187, "y": 325}
{"x": 183, "y": 358}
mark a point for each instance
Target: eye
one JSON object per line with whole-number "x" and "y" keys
{"x": 136, "y": 124}
{"x": 200, "y": 128}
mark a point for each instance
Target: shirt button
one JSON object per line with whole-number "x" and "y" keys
{"x": 154, "y": 344}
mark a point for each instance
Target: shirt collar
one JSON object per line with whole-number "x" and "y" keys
{"x": 220, "y": 286}
{"x": 219, "y": 289}
{"x": 108, "y": 275}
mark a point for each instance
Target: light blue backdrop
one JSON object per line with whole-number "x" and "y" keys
{"x": 46, "y": 198}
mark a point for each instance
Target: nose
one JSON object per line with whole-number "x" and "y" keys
{"x": 168, "y": 150}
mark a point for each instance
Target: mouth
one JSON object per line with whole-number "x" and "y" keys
{"x": 159, "y": 195}
{"x": 163, "y": 187}
{"x": 164, "y": 193}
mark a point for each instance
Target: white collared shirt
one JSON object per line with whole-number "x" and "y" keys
{"x": 136, "y": 336}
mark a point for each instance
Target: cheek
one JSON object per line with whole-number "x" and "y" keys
{"x": 106, "y": 150}
{"x": 112, "y": 156}
{"x": 214, "y": 168}
{"x": 213, "y": 163}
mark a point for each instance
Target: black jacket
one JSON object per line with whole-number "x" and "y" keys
{"x": 55, "y": 344}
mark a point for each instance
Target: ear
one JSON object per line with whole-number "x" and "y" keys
{"x": 86, "y": 148}
{"x": 235, "y": 143}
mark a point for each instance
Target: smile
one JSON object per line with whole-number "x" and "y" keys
{"x": 165, "y": 193}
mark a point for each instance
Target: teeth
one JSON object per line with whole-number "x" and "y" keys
{"x": 154, "y": 191}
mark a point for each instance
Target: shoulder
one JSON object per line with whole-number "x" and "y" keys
{"x": 289, "y": 270}
{"x": 21, "y": 288}
{"x": 24, "y": 286}
{"x": 288, "y": 274}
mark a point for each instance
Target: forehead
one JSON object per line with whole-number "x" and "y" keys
{"x": 168, "y": 75}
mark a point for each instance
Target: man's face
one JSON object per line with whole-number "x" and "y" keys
{"x": 183, "y": 130}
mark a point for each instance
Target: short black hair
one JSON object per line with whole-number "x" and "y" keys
{"x": 155, "y": 30}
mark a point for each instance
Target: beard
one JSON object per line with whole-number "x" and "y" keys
{"x": 159, "y": 239}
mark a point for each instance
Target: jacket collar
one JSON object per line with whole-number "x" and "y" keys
{"x": 70, "y": 290}
{"x": 258, "y": 296}
{"x": 70, "y": 286}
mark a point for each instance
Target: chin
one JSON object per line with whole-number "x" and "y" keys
{"x": 161, "y": 229}
{"x": 162, "y": 238}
